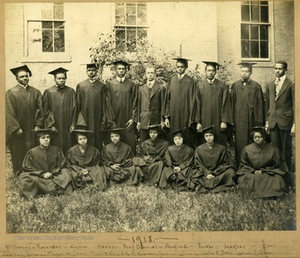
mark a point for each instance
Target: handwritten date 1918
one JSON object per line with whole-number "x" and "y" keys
{"x": 142, "y": 239}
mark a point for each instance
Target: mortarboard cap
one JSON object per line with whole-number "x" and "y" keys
{"x": 182, "y": 60}
{"x": 214, "y": 64}
{"x": 178, "y": 132}
{"x": 42, "y": 131}
{"x": 81, "y": 126}
{"x": 149, "y": 127}
{"x": 246, "y": 64}
{"x": 59, "y": 70}
{"x": 117, "y": 130}
{"x": 208, "y": 129}
{"x": 92, "y": 65}
{"x": 120, "y": 61}
{"x": 24, "y": 68}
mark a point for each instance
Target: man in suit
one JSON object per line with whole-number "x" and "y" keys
{"x": 24, "y": 112}
{"x": 280, "y": 111}
{"x": 150, "y": 103}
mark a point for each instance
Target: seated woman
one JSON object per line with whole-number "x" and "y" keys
{"x": 84, "y": 162}
{"x": 179, "y": 159}
{"x": 43, "y": 169}
{"x": 213, "y": 173}
{"x": 152, "y": 153}
{"x": 117, "y": 160}
{"x": 262, "y": 171}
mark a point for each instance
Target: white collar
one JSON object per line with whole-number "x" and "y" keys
{"x": 23, "y": 86}
{"x": 120, "y": 79}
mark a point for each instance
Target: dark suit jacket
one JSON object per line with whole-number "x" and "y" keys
{"x": 280, "y": 109}
{"x": 150, "y": 106}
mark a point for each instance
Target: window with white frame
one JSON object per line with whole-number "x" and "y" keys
{"x": 255, "y": 30}
{"x": 130, "y": 25}
{"x": 45, "y": 28}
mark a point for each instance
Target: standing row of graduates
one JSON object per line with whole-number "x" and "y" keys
{"x": 180, "y": 104}
{"x": 45, "y": 169}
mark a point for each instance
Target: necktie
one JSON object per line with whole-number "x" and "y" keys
{"x": 277, "y": 86}
{"x": 210, "y": 82}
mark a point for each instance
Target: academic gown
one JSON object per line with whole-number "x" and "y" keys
{"x": 152, "y": 169}
{"x": 91, "y": 104}
{"x": 121, "y": 154}
{"x": 123, "y": 98}
{"x": 182, "y": 157}
{"x": 90, "y": 160}
{"x": 248, "y": 111}
{"x": 181, "y": 105}
{"x": 24, "y": 109}
{"x": 60, "y": 111}
{"x": 268, "y": 159}
{"x": 212, "y": 160}
{"x": 212, "y": 104}
{"x": 36, "y": 163}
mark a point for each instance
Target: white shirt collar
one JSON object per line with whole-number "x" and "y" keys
{"x": 211, "y": 81}
{"x": 282, "y": 78}
{"x": 23, "y": 86}
{"x": 120, "y": 79}
{"x": 180, "y": 76}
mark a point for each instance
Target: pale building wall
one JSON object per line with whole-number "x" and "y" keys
{"x": 206, "y": 30}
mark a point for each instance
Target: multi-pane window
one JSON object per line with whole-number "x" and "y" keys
{"x": 255, "y": 29}
{"x": 46, "y": 29}
{"x": 131, "y": 25}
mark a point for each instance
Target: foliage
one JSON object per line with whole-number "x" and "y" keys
{"x": 143, "y": 53}
{"x": 143, "y": 209}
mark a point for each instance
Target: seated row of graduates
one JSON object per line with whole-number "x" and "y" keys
{"x": 262, "y": 172}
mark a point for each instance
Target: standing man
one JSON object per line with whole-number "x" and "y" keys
{"x": 181, "y": 102}
{"x": 91, "y": 95}
{"x": 214, "y": 102}
{"x": 122, "y": 94}
{"x": 24, "y": 111}
{"x": 60, "y": 109}
{"x": 150, "y": 104}
{"x": 280, "y": 111}
{"x": 248, "y": 108}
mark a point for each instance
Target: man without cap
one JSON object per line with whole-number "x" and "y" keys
{"x": 24, "y": 112}
{"x": 280, "y": 106}
{"x": 122, "y": 94}
{"x": 181, "y": 102}
{"x": 91, "y": 95}
{"x": 248, "y": 108}
{"x": 150, "y": 104}
{"x": 213, "y": 103}
{"x": 60, "y": 109}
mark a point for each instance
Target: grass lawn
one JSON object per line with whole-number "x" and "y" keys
{"x": 143, "y": 209}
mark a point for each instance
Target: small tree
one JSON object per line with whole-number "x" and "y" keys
{"x": 142, "y": 53}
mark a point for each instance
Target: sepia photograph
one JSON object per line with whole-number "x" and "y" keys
{"x": 149, "y": 129}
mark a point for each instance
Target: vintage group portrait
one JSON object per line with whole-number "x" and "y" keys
{"x": 150, "y": 129}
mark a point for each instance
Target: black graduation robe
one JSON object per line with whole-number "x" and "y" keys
{"x": 181, "y": 105}
{"x": 60, "y": 111}
{"x": 152, "y": 169}
{"x": 248, "y": 111}
{"x": 121, "y": 154}
{"x": 212, "y": 160}
{"x": 268, "y": 159}
{"x": 90, "y": 160}
{"x": 183, "y": 157}
{"x": 23, "y": 109}
{"x": 91, "y": 104}
{"x": 212, "y": 105}
{"x": 123, "y": 98}
{"x": 36, "y": 163}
